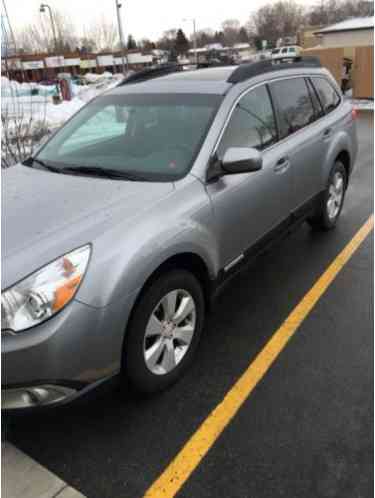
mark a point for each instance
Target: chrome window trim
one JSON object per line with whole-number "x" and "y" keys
{"x": 283, "y": 140}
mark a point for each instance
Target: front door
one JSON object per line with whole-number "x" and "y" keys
{"x": 249, "y": 205}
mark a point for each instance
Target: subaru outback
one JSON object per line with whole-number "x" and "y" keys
{"x": 122, "y": 228}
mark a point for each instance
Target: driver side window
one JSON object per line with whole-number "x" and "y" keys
{"x": 252, "y": 123}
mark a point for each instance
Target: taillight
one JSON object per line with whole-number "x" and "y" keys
{"x": 354, "y": 113}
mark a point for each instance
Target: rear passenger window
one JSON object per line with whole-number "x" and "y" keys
{"x": 327, "y": 94}
{"x": 252, "y": 123}
{"x": 294, "y": 104}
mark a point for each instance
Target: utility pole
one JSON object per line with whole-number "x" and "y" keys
{"x": 124, "y": 59}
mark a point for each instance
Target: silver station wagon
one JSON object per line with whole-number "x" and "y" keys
{"x": 121, "y": 229}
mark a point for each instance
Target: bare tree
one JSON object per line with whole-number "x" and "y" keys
{"x": 23, "y": 121}
{"x": 66, "y": 35}
{"x": 146, "y": 44}
{"x": 332, "y": 11}
{"x": 278, "y": 20}
{"x": 38, "y": 36}
{"x": 231, "y": 28}
{"x": 204, "y": 37}
{"x": 167, "y": 41}
{"x": 105, "y": 34}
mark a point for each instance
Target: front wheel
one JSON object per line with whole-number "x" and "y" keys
{"x": 333, "y": 199}
{"x": 164, "y": 331}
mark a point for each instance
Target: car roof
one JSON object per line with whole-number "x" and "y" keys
{"x": 211, "y": 80}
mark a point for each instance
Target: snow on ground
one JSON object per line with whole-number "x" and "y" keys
{"x": 359, "y": 104}
{"x": 28, "y": 112}
{"x": 363, "y": 104}
{"x": 23, "y": 100}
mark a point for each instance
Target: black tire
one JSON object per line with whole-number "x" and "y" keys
{"x": 142, "y": 379}
{"x": 321, "y": 220}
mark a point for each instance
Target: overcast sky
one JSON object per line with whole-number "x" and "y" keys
{"x": 142, "y": 18}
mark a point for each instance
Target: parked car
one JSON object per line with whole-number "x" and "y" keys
{"x": 286, "y": 52}
{"x": 121, "y": 229}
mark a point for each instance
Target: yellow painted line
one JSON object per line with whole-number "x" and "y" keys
{"x": 179, "y": 470}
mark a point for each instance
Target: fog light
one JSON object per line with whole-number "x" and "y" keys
{"x": 27, "y": 397}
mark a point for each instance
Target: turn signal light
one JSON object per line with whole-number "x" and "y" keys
{"x": 354, "y": 113}
{"x": 65, "y": 293}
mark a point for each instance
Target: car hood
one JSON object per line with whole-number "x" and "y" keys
{"x": 46, "y": 214}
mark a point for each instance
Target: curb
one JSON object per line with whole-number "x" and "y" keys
{"x": 23, "y": 477}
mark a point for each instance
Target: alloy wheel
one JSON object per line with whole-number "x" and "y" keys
{"x": 335, "y": 195}
{"x": 169, "y": 331}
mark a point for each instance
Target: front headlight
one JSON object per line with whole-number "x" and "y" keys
{"x": 45, "y": 292}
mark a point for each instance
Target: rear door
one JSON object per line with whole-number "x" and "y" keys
{"x": 301, "y": 139}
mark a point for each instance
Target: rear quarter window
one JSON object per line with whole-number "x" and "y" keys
{"x": 327, "y": 94}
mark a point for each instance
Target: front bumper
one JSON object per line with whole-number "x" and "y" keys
{"x": 62, "y": 358}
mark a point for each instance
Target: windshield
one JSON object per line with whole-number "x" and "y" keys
{"x": 153, "y": 136}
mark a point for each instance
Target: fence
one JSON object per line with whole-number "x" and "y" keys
{"x": 362, "y": 74}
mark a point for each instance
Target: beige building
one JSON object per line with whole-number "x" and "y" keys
{"x": 307, "y": 38}
{"x": 357, "y": 32}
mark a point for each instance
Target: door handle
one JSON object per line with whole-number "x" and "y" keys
{"x": 281, "y": 165}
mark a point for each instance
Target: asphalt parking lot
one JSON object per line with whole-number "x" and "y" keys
{"x": 305, "y": 430}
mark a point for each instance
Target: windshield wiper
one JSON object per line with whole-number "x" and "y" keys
{"x": 41, "y": 163}
{"x": 104, "y": 173}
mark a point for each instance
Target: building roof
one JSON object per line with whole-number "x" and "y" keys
{"x": 354, "y": 24}
{"x": 240, "y": 46}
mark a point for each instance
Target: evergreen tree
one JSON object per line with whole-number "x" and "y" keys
{"x": 181, "y": 44}
{"x": 131, "y": 43}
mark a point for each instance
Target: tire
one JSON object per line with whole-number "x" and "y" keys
{"x": 330, "y": 207}
{"x": 148, "y": 358}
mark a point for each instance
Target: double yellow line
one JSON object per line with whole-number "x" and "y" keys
{"x": 179, "y": 470}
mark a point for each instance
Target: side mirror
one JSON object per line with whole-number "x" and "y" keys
{"x": 236, "y": 160}
{"x": 241, "y": 160}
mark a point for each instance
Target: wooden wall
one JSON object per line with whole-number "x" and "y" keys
{"x": 331, "y": 58}
{"x": 363, "y": 73}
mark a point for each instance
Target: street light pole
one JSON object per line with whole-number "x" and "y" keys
{"x": 194, "y": 38}
{"x": 124, "y": 59}
{"x": 195, "y": 42}
{"x": 43, "y": 8}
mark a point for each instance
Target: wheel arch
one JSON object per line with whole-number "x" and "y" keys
{"x": 188, "y": 261}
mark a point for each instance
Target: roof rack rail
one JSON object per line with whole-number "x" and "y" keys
{"x": 249, "y": 70}
{"x": 151, "y": 72}
{"x": 164, "y": 69}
